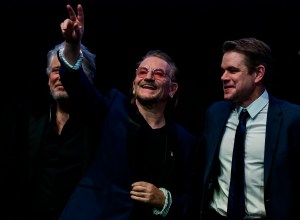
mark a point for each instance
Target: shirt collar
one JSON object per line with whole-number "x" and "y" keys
{"x": 255, "y": 107}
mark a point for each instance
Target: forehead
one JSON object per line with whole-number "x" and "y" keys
{"x": 233, "y": 59}
{"x": 154, "y": 62}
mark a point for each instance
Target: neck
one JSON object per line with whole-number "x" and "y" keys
{"x": 255, "y": 95}
{"x": 62, "y": 115}
{"x": 153, "y": 114}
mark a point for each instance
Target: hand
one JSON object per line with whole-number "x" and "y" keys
{"x": 73, "y": 27}
{"x": 147, "y": 193}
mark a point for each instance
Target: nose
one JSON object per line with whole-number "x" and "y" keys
{"x": 224, "y": 76}
{"x": 57, "y": 77}
{"x": 149, "y": 75}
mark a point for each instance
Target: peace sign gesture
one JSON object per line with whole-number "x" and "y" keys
{"x": 73, "y": 27}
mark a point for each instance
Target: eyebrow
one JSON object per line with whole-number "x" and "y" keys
{"x": 144, "y": 67}
{"x": 55, "y": 68}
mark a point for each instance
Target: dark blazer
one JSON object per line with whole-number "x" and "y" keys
{"x": 104, "y": 191}
{"x": 281, "y": 166}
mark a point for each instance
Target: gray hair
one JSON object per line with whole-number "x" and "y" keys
{"x": 88, "y": 62}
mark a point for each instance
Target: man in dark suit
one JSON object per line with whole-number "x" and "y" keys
{"x": 142, "y": 168}
{"x": 271, "y": 183}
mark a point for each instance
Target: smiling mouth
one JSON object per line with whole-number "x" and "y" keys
{"x": 147, "y": 86}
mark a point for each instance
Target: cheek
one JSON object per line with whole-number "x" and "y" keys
{"x": 136, "y": 82}
{"x": 166, "y": 89}
{"x": 244, "y": 84}
{"x": 134, "y": 85}
{"x": 168, "y": 86}
{"x": 49, "y": 82}
{"x": 52, "y": 79}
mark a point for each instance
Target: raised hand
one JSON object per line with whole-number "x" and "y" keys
{"x": 72, "y": 30}
{"x": 73, "y": 27}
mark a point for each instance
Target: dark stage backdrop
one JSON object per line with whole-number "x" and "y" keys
{"x": 120, "y": 32}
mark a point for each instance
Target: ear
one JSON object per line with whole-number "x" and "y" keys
{"x": 260, "y": 73}
{"x": 173, "y": 89}
{"x": 133, "y": 85}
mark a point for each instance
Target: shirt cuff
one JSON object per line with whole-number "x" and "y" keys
{"x": 167, "y": 205}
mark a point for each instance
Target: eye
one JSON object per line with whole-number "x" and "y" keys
{"x": 158, "y": 73}
{"x": 141, "y": 72}
{"x": 55, "y": 70}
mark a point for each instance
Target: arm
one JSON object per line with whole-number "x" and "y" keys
{"x": 82, "y": 93}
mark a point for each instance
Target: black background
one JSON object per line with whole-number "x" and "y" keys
{"x": 120, "y": 32}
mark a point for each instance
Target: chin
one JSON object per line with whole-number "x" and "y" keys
{"x": 60, "y": 95}
{"x": 147, "y": 100}
{"x": 228, "y": 97}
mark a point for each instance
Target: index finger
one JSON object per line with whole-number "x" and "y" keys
{"x": 139, "y": 183}
{"x": 72, "y": 14}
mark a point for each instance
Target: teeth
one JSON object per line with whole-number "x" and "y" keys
{"x": 147, "y": 86}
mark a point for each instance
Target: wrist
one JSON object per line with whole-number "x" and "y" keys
{"x": 167, "y": 204}
{"x": 77, "y": 64}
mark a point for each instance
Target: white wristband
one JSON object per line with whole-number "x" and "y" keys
{"x": 167, "y": 205}
{"x": 76, "y": 66}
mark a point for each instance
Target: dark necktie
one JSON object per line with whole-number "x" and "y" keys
{"x": 236, "y": 197}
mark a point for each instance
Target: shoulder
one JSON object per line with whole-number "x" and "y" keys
{"x": 115, "y": 94}
{"x": 285, "y": 106}
{"x": 219, "y": 105}
{"x": 218, "y": 110}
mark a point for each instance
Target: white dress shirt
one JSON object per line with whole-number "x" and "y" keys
{"x": 254, "y": 159}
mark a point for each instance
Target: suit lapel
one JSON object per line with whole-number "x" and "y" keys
{"x": 274, "y": 120}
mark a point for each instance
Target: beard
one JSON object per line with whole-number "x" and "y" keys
{"x": 148, "y": 101}
{"x": 151, "y": 100}
{"x": 59, "y": 95}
